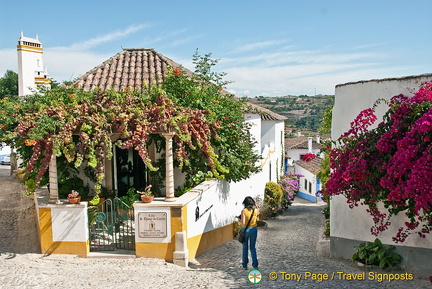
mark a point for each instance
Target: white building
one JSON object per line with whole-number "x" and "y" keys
{"x": 310, "y": 184}
{"x": 31, "y": 70}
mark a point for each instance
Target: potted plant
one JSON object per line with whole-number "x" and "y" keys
{"x": 74, "y": 197}
{"x": 146, "y": 195}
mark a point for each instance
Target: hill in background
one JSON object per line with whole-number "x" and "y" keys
{"x": 304, "y": 113}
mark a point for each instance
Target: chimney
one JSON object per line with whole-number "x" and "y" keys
{"x": 299, "y": 134}
{"x": 318, "y": 139}
{"x": 310, "y": 144}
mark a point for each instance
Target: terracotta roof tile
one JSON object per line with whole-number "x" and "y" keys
{"x": 132, "y": 68}
{"x": 265, "y": 113}
{"x": 300, "y": 142}
{"x": 313, "y": 166}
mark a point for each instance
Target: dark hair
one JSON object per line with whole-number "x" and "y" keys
{"x": 249, "y": 203}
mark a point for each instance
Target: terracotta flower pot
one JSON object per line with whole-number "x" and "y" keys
{"x": 147, "y": 199}
{"x": 74, "y": 200}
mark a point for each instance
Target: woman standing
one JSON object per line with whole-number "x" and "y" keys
{"x": 250, "y": 212}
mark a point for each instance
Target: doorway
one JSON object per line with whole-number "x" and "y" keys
{"x": 131, "y": 172}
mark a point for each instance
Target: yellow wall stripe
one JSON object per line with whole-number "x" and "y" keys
{"x": 202, "y": 243}
{"x": 29, "y": 48}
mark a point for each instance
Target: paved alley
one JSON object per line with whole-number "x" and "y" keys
{"x": 291, "y": 243}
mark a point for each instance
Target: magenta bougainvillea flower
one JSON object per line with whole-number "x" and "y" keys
{"x": 390, "y": 164}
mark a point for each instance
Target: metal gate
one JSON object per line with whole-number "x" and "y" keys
{"x": 111, "y": 226}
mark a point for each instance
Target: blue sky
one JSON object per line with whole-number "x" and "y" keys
{"x": 270, "y": 48}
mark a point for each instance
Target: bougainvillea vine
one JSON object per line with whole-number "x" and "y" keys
{"x": 390, "y": 164}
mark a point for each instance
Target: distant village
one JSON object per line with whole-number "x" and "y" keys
{"x": 304, "y": 113}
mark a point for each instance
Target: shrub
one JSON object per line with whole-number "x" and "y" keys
{"x": 290, "y": 184}
{"x": 273, "y": 196}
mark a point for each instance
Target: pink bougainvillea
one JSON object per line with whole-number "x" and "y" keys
{"x": 308, "y": 157}
{"x": 391, "y": 163}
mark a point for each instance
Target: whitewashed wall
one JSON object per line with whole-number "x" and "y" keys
{"x": 70, "y": 223}
{"x": 255, "y": 122}
{"x": 354, "y": 224}
{"x": 311, "y": 179}
{"x": 221, "y": 202}
{"x": 273, "y": 136}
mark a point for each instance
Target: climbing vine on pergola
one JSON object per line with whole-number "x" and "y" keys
{"x": 207, "y": 123}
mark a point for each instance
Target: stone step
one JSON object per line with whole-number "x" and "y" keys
{"x": 113, "y": 254}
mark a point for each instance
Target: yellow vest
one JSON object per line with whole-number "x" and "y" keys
{"x": 247, "y": 214}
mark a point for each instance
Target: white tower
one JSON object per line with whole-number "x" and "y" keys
{"x": 31, "y": 71}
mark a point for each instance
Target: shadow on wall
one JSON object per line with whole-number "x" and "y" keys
{"x": 223, "y": 188}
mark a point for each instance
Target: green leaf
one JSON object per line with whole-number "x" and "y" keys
{"x": 378, "y": 242}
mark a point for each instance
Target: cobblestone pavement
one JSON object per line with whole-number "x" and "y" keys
{"x": 288, "y": 244}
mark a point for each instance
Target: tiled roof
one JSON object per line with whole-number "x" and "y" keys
{"x": 313, "y": 165}
{"x": 135, "y": 67}
{"x": 265, "y": 113}
{"x": 131, "y": 68}
{"x": 300, "y": 142}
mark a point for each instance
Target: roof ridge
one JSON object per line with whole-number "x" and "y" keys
{"x": 139, "y": 49}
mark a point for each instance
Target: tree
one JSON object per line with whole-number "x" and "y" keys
{"x": 205, "y": 90}
{"x": 9, "y": 84}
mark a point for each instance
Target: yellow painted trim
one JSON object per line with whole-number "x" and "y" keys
{"x": 42, "y": 80}
{"x": 29, "y": 49}
{"x": 184, "y": 219}
{"x": 155, "y": 250}
{"x": 199, "y": 244}
{"x": 265, "y": 160}
{"x": 48, "y": 246}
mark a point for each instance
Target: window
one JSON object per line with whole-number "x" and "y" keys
{"x": 310, "y": 187}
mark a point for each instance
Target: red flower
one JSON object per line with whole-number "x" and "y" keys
{"x": 2, "y": 126}
{"x": 29, "y": 142}
{"x": 177, "y": 72}
{"x": 308, "y": 157}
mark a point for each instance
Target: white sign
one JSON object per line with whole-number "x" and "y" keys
{"x": 152, "y": 224}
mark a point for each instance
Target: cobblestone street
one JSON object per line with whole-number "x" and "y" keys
{"x": 291, "y": 243}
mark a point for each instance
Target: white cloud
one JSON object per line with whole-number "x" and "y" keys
{"x": 289, "y": 70}
{"x": 9, "y": 60}
{"x": 85, "y": 45}
{"x": 68, "y": 64}
{"x": 278, "y": 58}
{"x": 304, "y": 79}
{"x": 256, "y": 46}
